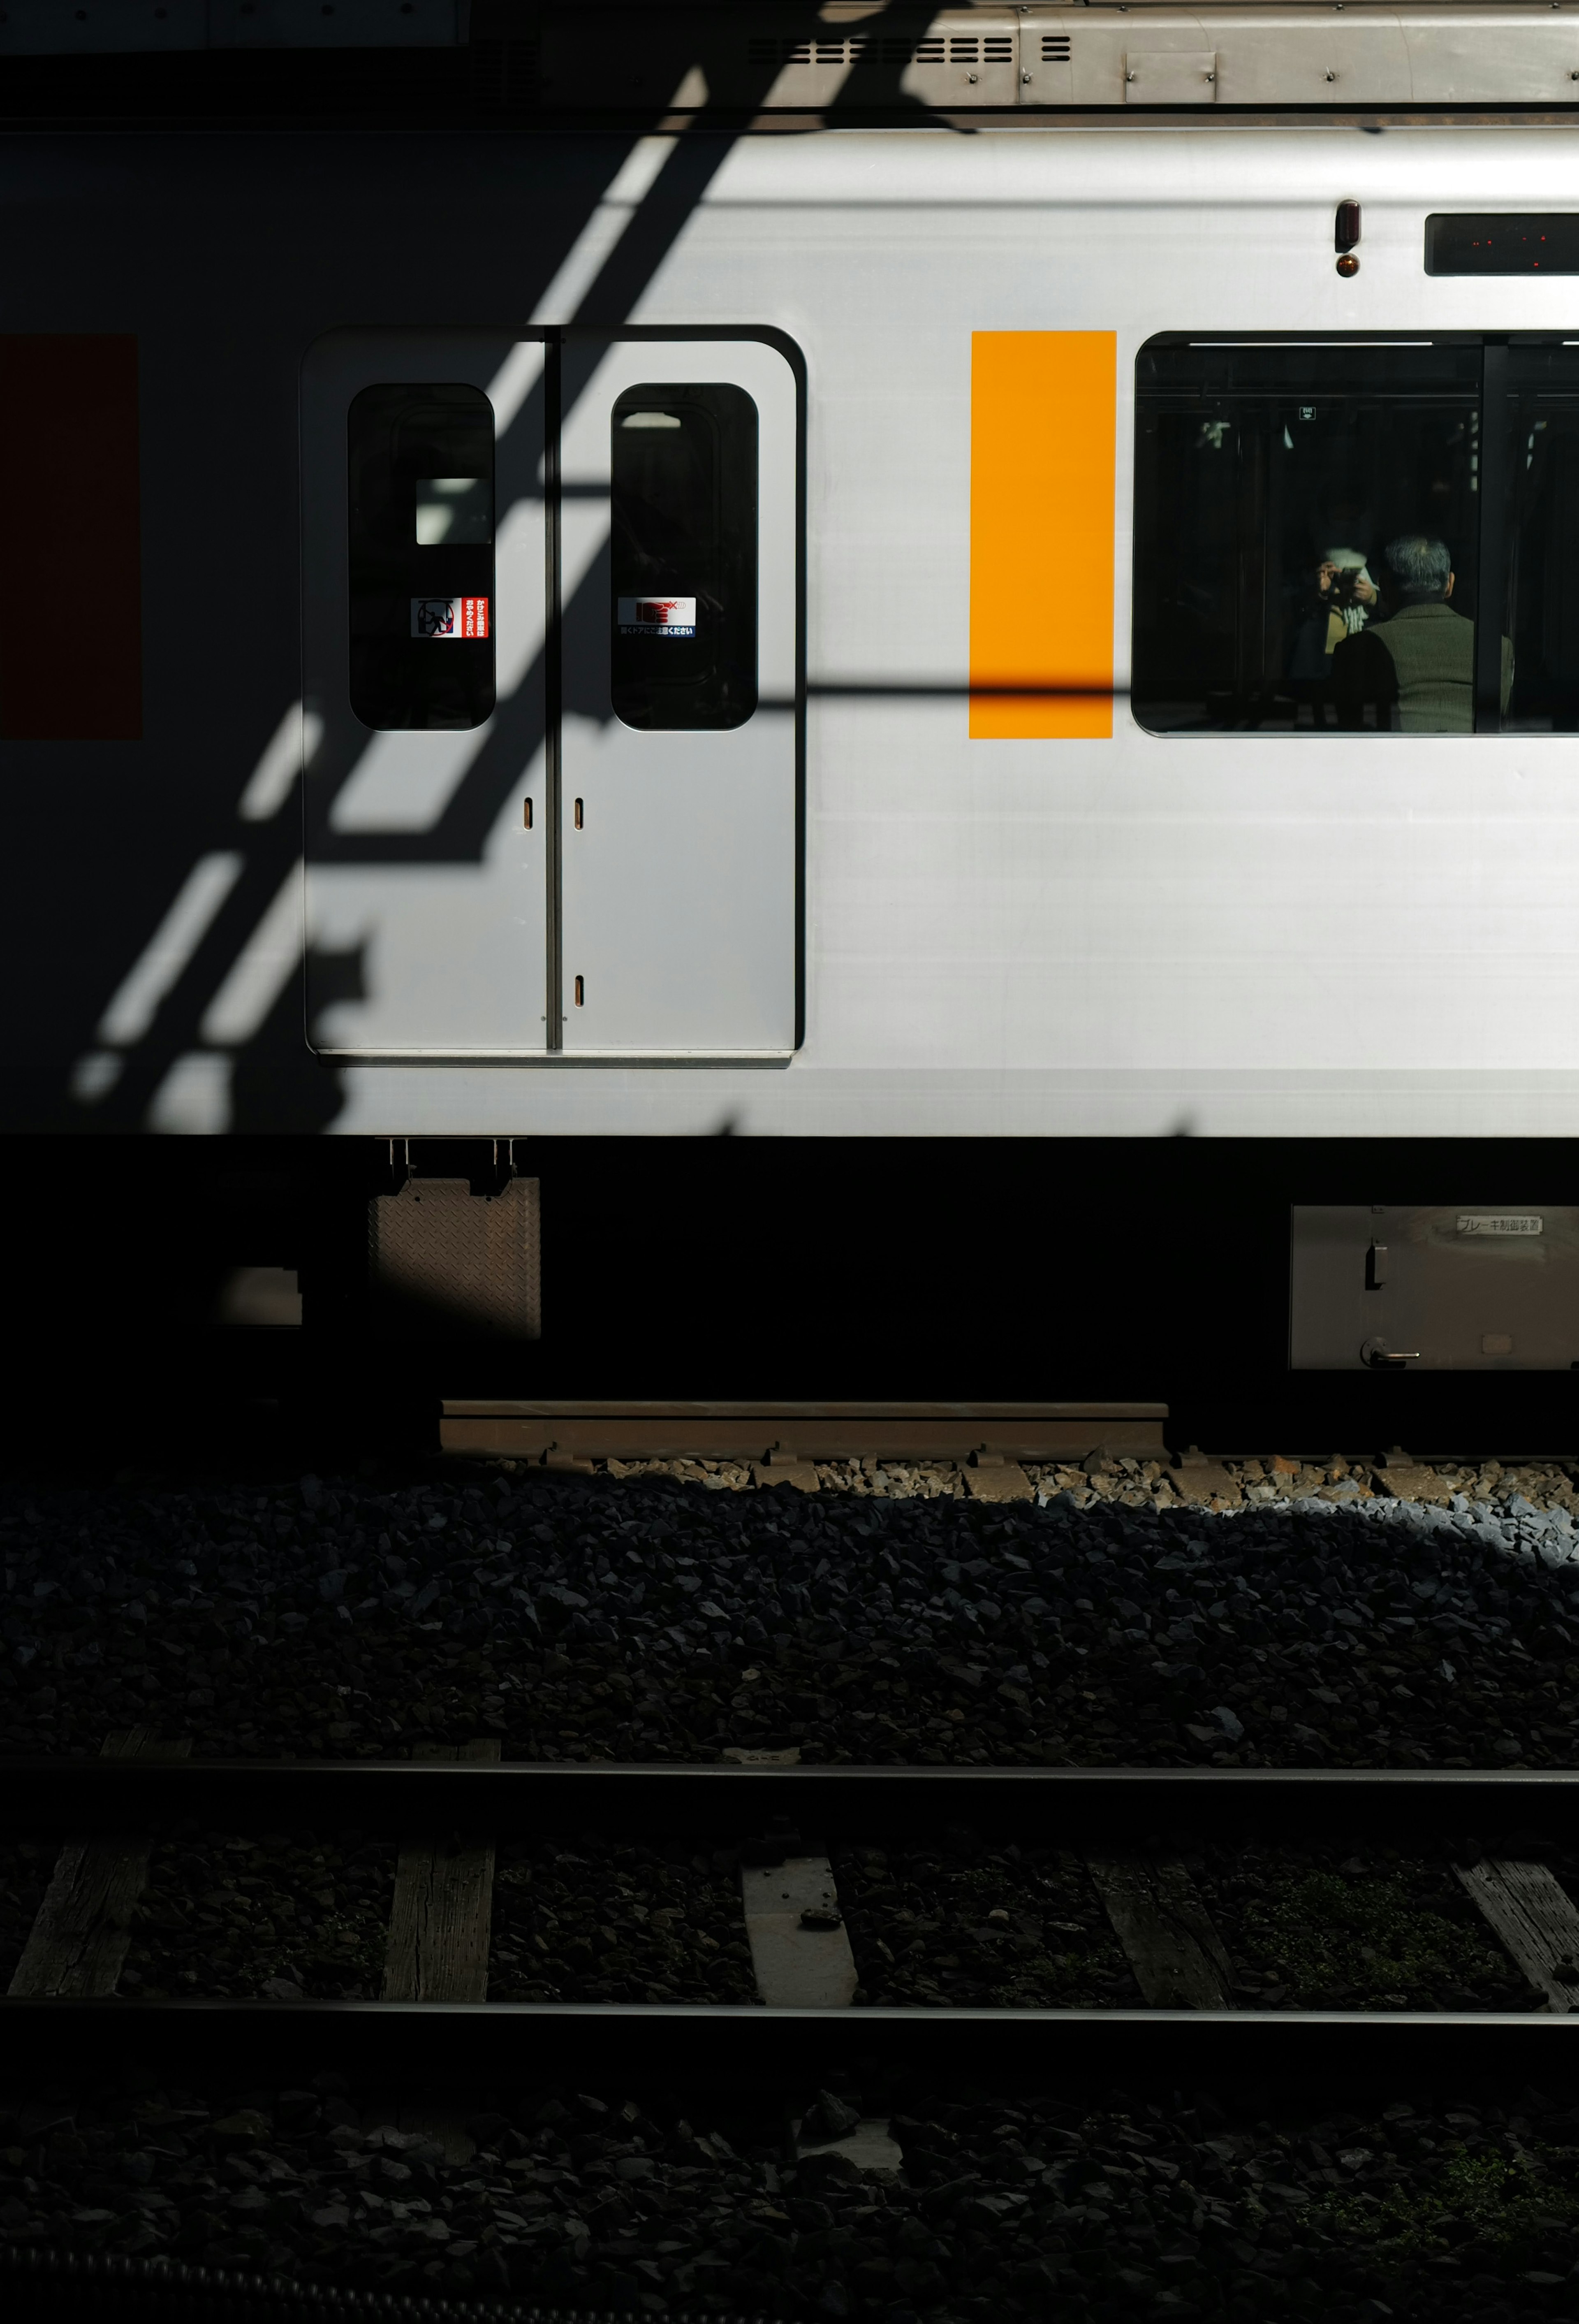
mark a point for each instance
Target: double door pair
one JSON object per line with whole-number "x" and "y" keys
{"x": 551, "y": 696}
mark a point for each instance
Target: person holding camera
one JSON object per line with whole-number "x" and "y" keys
{"x": 1343, "y": 600}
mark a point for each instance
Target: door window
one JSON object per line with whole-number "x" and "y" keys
{"x": 421, "y": 552}
{"x": 682, "y": 468}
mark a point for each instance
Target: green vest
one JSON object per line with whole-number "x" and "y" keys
{"x": 1432, "y": 649}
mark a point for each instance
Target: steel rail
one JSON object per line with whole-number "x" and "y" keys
{"x": 730, "y": 1801}
{"x": 742, "y": 2047}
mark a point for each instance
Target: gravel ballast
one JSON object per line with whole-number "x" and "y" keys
{"x": 1316, "y": 1928}
{"x": 615, "y": 1921}
{"x": 284, "y": 1917}
{"x": 1030, "y": 2205}
{"x": 967, "y": 1925}
{"x": 651, "y": 1618}
{"x": 1307, "y": 1618}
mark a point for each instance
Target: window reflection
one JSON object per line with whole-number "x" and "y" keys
{"x": 455, "y": 509}
{"x": 1307, "y": 537}
{"x": 1543, "y": 566}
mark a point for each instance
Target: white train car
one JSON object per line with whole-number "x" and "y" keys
{"x": 857, "y": 573}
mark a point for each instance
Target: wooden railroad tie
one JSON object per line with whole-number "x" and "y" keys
{"x": 442, "y": 1915}
{"x": 1537, "y": 1920}
{"x": 78, "y": 1944}
{"x": 1165, "y": 1930}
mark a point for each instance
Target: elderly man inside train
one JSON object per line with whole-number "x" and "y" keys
{"x": 1414, "y": 667}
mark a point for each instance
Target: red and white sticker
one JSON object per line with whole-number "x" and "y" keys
{"x": 657, "y": 617}
{"x": 449, "y": 617}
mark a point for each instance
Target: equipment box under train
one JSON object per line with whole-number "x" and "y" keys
{"x": 1435, "y": 1286}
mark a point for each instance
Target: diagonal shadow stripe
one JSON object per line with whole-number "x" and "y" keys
{"x": 518, "y": 731}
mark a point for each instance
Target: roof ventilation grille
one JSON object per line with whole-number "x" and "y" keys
{"x": 762, "y": 51}
{"x": 954, "y": 48}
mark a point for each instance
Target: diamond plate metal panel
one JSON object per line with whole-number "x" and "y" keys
{"x": 442, "y": 1259}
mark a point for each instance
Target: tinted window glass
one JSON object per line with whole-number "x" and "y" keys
{"x": 421, "y": 538}
{"x": 1307, "y": 537}
{"x": 683, "y": 469}
{"x": 1545, "y": 573}
{"x": 1532, "y": 422}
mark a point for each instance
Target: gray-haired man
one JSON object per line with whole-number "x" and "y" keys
{"x": 1422, "y": 658}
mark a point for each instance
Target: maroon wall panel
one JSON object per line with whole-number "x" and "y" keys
{"x": 70, "y": 581}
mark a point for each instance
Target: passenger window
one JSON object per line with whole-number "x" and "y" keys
{"x": 683, "y": 470}
{"x": 421, "y": 542}
{"x": 1308, "y": 537}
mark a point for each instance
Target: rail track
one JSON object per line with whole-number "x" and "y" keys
{"x": 782, "y": 1855}
{"x": 435, "y": 2023}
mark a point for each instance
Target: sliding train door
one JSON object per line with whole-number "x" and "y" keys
{"x": 679, "y": 580}
{"x": 550, "y": 785}
{"x": 425, "y": 594}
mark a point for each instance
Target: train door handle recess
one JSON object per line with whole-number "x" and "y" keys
{"x": 526, "y": 815}
{"x": 1376, "y": 1267}
{"x": 580, "y": 992}
{"x": 578, "y": 814}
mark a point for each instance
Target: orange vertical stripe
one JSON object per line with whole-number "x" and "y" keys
{"x": 1043, "y": 429}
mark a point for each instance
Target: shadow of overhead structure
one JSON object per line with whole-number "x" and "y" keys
{"x": 202, "y": 1029}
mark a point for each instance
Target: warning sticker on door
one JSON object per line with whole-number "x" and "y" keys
{"x": 449, "y": 617}
{"x": 657, "y": 617}
{"x": 1499, "y": 1222}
